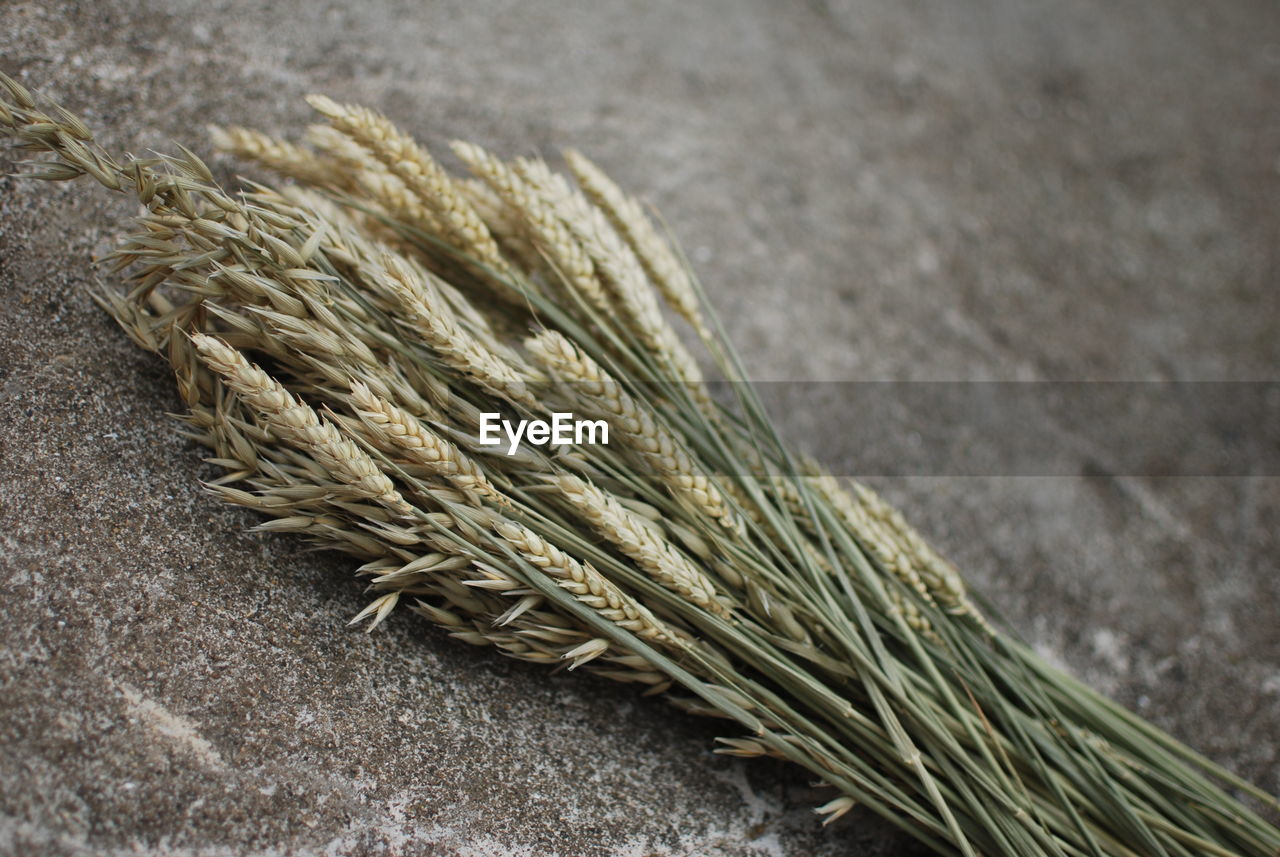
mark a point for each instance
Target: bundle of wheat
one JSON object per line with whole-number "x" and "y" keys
{"x": 341, "y": 342}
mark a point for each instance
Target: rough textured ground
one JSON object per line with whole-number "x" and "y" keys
{"x": 921, "y": 190}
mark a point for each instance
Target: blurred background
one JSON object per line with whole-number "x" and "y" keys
{"x": 912, "y": 191}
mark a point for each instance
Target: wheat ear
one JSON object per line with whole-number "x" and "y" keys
{"x": 628, "y": 216}
{"x": 588, "y": 585}
{"x": 371, "y": 178}
{"x": 421, "y": 445}
{"x": 617, "y": 266}
{"x": 871, "y": 534}
{"x": 438, "y": 327}
{"x": 508, "y": 228}
{"x": 566, "y": 255}
{"x": 939, "y": 575}
{"x": 633, "y": 423}
{"x": 636, "y": 538}
{"x": 420, "y": 172}
{"x": 280, "y": 156}
{"x": 299, "y": 424}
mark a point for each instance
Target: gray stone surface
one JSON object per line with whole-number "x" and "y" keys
{"x": 921, "y": 190}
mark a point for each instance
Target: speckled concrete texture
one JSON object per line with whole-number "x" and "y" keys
{"x": 871, "y": 190}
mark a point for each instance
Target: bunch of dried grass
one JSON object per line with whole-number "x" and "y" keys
{"x": 336, "y": 340}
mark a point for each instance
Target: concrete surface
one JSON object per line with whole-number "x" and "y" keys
{"x": 917, "y": 190}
